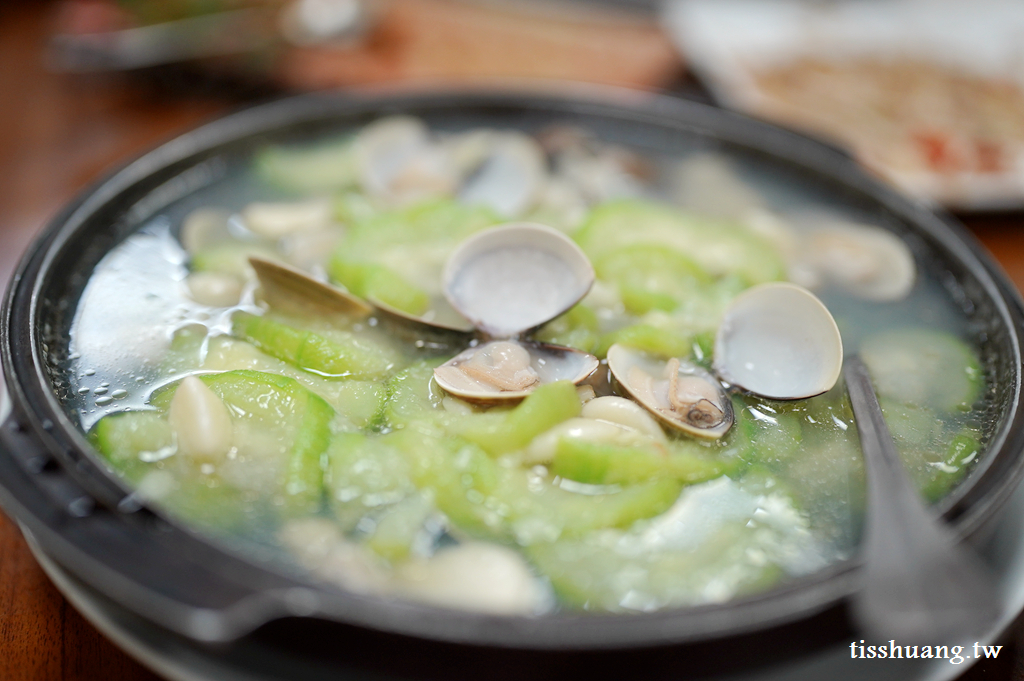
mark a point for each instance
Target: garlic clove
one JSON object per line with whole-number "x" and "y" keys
{"x": 200, "y": 421}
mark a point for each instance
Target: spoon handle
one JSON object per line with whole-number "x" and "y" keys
{"x": 920, "y": 584}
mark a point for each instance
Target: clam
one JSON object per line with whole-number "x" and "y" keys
{"x": 509, "y": 175}
{"x": 507, "y": 281}
{"x": 511, "y": 279}
{"x": 779, "y": 341}
{"x": 599, "y": 171}
{"x": 284, "y": 286}
{"x": 287, "y": 286}
{"x": 680, "y": 394}
{"x": 864, "y": 260}
{"x": 869, "y": 262}
{"x": 398, "y": 162}
{"x": 776, "y": 340}
{"x": 437, "y": 329}
{"x": 509, "y": 370}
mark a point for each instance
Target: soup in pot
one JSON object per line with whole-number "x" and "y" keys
{"x": 270, "y": 360}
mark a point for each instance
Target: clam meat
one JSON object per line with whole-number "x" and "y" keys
{"x": 506, "y": 370}
{"x": 508, "y": 280}
{"x": 680, "y": 394}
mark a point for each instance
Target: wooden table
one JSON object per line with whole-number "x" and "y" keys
{"x": 56, "y": 135}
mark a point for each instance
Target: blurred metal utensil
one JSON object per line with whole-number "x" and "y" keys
{"x": 920, "y": 584}
{"x": 210, "y": 35}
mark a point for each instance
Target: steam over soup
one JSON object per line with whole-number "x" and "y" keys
{"x": 301, "y": 414}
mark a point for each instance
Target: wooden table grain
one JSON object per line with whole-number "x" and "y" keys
{"x": 57, "y": 134}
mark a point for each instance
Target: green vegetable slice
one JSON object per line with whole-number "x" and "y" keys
{"x": 440, "y": 223}
{"x": 129, "y": 438}
{"x": 343, "y": 355}
{"x": 577, "y": 328}
{"x": 721, "y": 539}
{"x": 364, "y": 474}
{"x": 485, "y": 498}
{"x": 280, "y": 408}
{"x": 925, "y": 367}
{"x": 609, "y": 464}
{"x": 946, "y": 472}
{"x": 376, "y": 282}
{"x": 358, "y": 402}
{"x": 650, "y": 339}
{"x": 652, "y": 277}
{"x": 912, "y": 426}
{"x": 459, "y": 476}
{"x": 398, "y": 527}
{"x": 275, "y": 419}
{"x": 554, "y": 512}
{"x": 396, "y": 257}
{"x": 412, "y": 395}
{"x": 323, "y": 167}
{"x": 140, "y": 445}
{"x": 590, "y": 573}
{"x": 766, "y": 432}
{"x": 717, "y": 247}
{"x": 545, "y": 407}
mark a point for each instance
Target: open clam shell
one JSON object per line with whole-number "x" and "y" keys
{"x": 450, "y": 333}
{"x": 509, "y": 176}
{"x": 509, "y": 279}
{"x": 284, "y": 285}
{"x": 869, "y": 262}
{"x": 680, "y": 394}
{"x": 779, "y": 341}
{"x": 288, "y": 287}
{"x": 505, "y": 370}
{"x": 864, "y": 260}
{"x": 398, "y": 162}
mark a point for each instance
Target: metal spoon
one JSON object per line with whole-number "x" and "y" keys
{"x": 921, "y": 585}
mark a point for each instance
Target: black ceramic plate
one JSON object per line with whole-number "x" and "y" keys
{"x": 85, "y": 519}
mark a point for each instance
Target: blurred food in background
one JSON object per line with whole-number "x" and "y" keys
{"x": 315, "y": 44}
{"x": 927, "y": 93}
{"x": 906, "y": 115}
